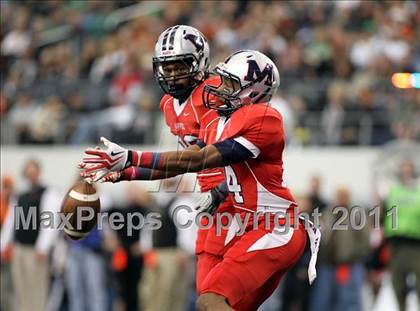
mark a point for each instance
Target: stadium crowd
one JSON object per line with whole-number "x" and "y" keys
{"x": 70, "y": 72}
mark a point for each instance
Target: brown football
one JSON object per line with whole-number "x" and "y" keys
{"x": 82, "y": 202}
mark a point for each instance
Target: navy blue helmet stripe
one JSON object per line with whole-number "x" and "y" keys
{"x": 165, "y": 39}
{"x": 172, "y": 38}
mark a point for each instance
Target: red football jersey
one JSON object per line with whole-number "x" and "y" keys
{"x": 257, "y": 183}
{"x": 183, "y": 120}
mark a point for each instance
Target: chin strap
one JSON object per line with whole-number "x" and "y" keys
{"x": 225, "y": 113}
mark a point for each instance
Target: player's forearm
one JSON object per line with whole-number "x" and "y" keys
{"x": 179, "y": 161}
{"x": 140, "y": 173}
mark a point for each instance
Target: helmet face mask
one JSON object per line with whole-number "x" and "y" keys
{"x": 223, "y": 98}
{"x": 177, "y": 76}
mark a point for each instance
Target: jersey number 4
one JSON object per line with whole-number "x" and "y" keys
{"x": 233, "y": 186}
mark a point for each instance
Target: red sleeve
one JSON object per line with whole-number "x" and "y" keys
{"x": 258, "y": 128}
{"x": 163, "y": 102}
{"x": 207, "y": 115}
{"x": 202, "y": 128}
{"x": 205, "y": 120}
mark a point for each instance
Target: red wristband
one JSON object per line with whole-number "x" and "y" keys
{"x": 129, "y": 173}
{"x": 151, "y": 160}
{"x": 135, "y": 158}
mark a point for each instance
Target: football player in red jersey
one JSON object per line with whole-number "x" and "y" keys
{"x": 245, "y": 137}
{"x": 181, "y": 67}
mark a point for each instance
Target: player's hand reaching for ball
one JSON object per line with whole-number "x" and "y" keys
{"x": 101, "y": 176}
{"x": 100, "y": 161}
{"x": 104, "y": 176}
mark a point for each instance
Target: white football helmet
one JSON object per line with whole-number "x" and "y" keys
{"x": 254, "y": 78}
{"x": 183, "y": 44}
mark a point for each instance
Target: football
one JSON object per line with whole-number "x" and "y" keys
{"x": 83, "y": 204}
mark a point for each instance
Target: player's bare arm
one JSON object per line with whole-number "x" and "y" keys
{"x": 183, "y": 161}
{"x": 114, "y": 158}
{"x": 130, "y": 173}
{"x": 138, "y": 173}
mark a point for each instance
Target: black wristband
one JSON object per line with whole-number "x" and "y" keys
{"x": 129, "y": 161}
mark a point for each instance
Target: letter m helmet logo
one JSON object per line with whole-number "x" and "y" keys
{"x": 255, "y": 73}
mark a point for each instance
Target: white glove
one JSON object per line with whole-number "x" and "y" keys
{"x": 209, "y": 201}
{"x": 204, "y": 203}
{"x": 112, "y": 159}
{"x": 113, "y": 177}
{"x": 101, "y": 176}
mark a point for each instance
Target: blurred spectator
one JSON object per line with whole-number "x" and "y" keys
{"x": 21, "y": 118}
{"x": 85, "y": 273}
{"x": 7, "y": 197}
{"x": 58, "y": 262}
{"x": 127, "y": 258}
{"x": 287, "y": 113}
{"x": 126, "y": 86}
{"x": 296, "y": 288}
{"x": 76, "y": 105}
{"x": 186, "y": 238}
{"x": 377, "y": 262}
{"x": 18, "y": 39}
{"x": 367, "y": 120}
{"x": 401, "y": 228}
{"x": 402, "y": 148}
{"x": 315, "y": 198}
{"x": 3, "y": 107}
{"x": 407, "y": 109}
{"x": 333, "y": 114}
{"x": 7, "y": 203}
{"x": 166, "y": 281}
{"x": 112, "y": 57}
{"x": 25, "y": 69}
{"x": 405, "y": 141}
{"x": 340, "y": 264}
{"x": 46, "y": 121}
{"x": 89, "y": 54}
{"x": 32, "y": 242}
{"x": 143, "y": 122}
